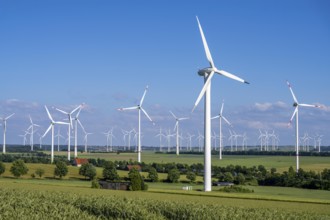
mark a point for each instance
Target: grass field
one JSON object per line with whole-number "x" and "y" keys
{"x": 281, "y": 163}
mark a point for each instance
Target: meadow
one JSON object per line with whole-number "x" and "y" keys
{"x": 281, "y": 163}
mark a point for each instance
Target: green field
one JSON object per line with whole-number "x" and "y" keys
{"x": 281, "y": 163}
{"x": 264, "y": 203}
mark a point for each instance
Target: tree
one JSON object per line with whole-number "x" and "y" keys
{"x": 136, "y": 179}
{"x": 153, "y": 175}
{"x": 240, "y": 178}
{"x": 2, "y": 168}
{"x": 173, "y": 175}
{"x": 18, "y": 168}
{"x": 61, "y": 169}
{"x": 87, "y": 170}
{"x": 40, "y": 172}
{"x": 228, "y": 177}
{"x": 191, "y": 176}
{"x": 110, "y": 171}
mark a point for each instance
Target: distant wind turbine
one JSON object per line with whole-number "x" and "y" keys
{"x": 208, "y": 73}
{"x": 51, "y": 126}
{"x": 139, "y": 108}
{"x": 296, "y": 106}
{"x": 4, "y": 125}
{"x": 69, "y": 114}
{"x": 32, "y": 131}
{"x": 176, "y": 127}
{"x": 220, "y": 116}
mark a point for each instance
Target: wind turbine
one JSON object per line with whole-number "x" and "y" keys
{"x": 160, "y": 138}
{"x": 76, "y": 119}
{"x": 220, "y": 116}
{"x": 69, "y": 114}
{"x": 51, "y": 126}
{"x": 296, "y": 105}
{"x": 139, "y": 108}
{"x": 176, "y": 127}
{"x": 58, "y": 135}
{"x": 32, "y": 131}
{"x": 4, "y": 125}
{"x": 208, "y": 73}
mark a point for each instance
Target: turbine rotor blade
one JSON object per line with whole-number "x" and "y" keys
{"x": 294, "y": 113}
{"x": 294, "y": 97}
{"x": 49, "y": 115}
{"x": 173, "y": 115}
{"x": 215, "y": 117}
{"x": 226, "y": 121}
{"x": 231, "y": 76}
{"x": 309, "y": 105}
{"x": 50, "y": 126}
{"x": 221, "y": 110}
{"x": 206, "y": 85}
{"x": 144, "y": 94}
{"x": 79, "y": 107}
{"x": 206, "y": 48}
{"x": 64, "y": 112}
{"x": 128, "y": 108}
{"x": 176, "y": 125}
{"x": 9, "y": 116}
{"x": 146, "y": 114}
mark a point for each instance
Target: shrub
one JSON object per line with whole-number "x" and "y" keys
{"x": 110, "y": 171}
{"x": 2, "y": 168}
{"x": 95, "y": 184}
{"x": 61, "y": 169}
{"x": 40, "y": 172}
{"x": 173, "y": 175}
{"x": 237, "y": 189}
{"x": 136, "y": 180}
{"x": 18, "y": 168}
{"x": 153, "y": 175}
{"x": 191, "y": 176}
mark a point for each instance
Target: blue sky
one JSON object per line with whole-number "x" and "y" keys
{"x": 104, "y": 53}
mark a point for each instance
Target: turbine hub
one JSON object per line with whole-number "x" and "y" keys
{"x": 295, "y": 104}
{"x": 205, "y": 71}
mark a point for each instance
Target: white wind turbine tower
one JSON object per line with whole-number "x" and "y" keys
{"x": 208, "y": 73}
{"x": 139, "y": 108}
{"x": 32, "y": 131}
{"x": 296, "y": 105}
{"x": 220, "y": 116}
{"x": 4, "y": 125}
{"x": 200, "y": 137}
{"x": 51, "y": 126}
{"x": 69, "y": 114}
{"x": 176, "y": 127}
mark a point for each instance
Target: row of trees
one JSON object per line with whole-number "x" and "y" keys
{"x": 19, "y": 168}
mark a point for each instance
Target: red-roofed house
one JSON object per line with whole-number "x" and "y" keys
{"x": 80, "y": 161}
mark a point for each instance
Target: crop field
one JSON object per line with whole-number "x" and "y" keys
{"x": 32, "y": 198}
{"x": 281, "y": 163}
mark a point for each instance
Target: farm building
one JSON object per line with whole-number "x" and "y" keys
{"x": 114, "y": 185}
{"x": 138, "y": 167}
{"x": 222, "y": 184}
{"x": 79, "y": 161}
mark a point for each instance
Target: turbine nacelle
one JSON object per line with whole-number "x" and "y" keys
{"x": 205, "y": 71}
{"x": 295, "y": 104}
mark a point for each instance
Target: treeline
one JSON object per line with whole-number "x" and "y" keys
{"x": 256, "y": 153}
{"x": 256, "y": 175}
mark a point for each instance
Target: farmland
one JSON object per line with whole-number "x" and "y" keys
{"x": 264, "y": 203}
